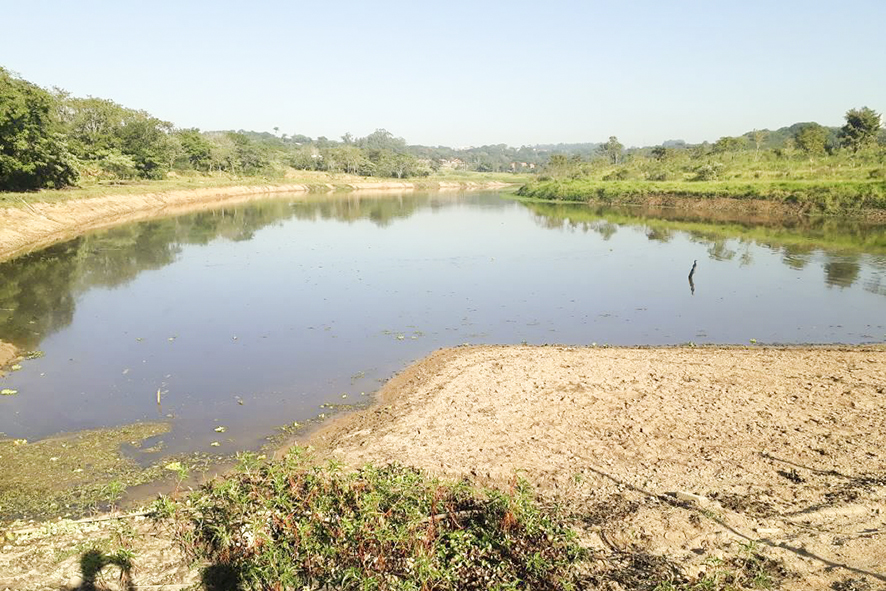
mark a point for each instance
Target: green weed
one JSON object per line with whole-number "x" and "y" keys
{"x": 297, "y": 524}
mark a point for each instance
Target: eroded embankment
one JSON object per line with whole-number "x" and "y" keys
{"x": 783, "y": 445}
{"x": 37, "y": 225}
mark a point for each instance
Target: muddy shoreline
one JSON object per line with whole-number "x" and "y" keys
{"x": 37, "y": 225}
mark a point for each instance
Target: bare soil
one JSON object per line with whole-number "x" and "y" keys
{"x": 676, "y": 452}
{"x": 663, "y": 456}
{"x": 8, "y": 354}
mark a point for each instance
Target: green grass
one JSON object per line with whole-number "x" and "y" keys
{"x": 295, "y": 524}
{"x": 820, "y": 196}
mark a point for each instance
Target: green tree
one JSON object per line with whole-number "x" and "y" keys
{"x": 33, "y": 153}
{"x": 248, "y": 157}
{"x": 197, "y": 149}
{"x": 148, "y": 141}
{"x": 612, "y": 149}
{"x": 728, "y": 144}
{"x": 92, "y": 124}
{"x": 811, "y": 139}
{"x": 861, "y": 129}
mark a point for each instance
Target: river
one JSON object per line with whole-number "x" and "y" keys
{"x": 245, "y": 318}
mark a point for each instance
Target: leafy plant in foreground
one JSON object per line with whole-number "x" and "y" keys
{"x": 293, "y": 524}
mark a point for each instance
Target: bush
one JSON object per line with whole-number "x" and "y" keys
{"x": 292, "y": 524}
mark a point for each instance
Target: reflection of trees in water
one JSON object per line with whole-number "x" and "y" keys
{"x": 841, "y": 271}
{"x": 797, "y": 256}
{"x": 36, "y": 294}
{"x": 38, "y": 291}
{"x": 876, "y": 284}
{"x": 605, "y": 229}
{"x": 659, "y": 234}
{"x": 797, "y": 240}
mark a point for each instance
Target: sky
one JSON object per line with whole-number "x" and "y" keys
{"x": 462, "y": 73}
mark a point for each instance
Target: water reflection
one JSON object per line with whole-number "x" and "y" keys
{"x": 38, "y": 291}
{"x": 841, "y": 242}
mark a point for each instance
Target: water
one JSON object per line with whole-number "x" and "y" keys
{"x": 253, "y": 316}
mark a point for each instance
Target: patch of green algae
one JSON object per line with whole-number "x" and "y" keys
{"x": 72, "y": 473}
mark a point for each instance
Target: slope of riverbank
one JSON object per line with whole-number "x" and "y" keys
{"x": 669, "y": 460}
{"x": 30, "y": 225}
{"x": 849, "y": 197}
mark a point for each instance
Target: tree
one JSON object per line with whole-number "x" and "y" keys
{"x": 33, "y": 153}
{"x": 148, "y": 141}
{"x": 197, "y": 149}
{"x": 728, "y": 144}
{"x": 612, "y": 149}
{"x": 759, "y": 136}
{"x": 811, "y": 139}
{"x": 861, "y": 129}
{"x": 662, "y": 153}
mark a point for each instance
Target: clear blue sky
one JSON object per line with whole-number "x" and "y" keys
{"x": 460, "y": 73}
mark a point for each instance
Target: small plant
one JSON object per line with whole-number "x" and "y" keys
{"x": 113, "y": 490}
{"x": 163, "y": 507}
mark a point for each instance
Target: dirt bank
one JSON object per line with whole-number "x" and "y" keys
{"x": 784, "y": 445}
{"x": 37, "y": 225}
{"x": 8, "y": 354}
{"x": 681, "y": 453}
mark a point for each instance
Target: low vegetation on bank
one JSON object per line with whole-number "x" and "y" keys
{"x": 815, "y": 168}
{"x": 296, "y": 524}
{"x": 811, "y": 196}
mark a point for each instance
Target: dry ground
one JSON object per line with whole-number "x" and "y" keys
{"x": 675, "y": 452}
{"x": 786, "y": 446}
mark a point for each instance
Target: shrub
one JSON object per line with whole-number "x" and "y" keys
{"x": 293, "y": 524}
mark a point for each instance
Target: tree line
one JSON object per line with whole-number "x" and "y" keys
{"x": 50, "y": 139}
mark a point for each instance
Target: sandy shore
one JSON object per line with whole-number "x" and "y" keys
{"x": 38, "y": 225}
{"x": 680, "y": 453}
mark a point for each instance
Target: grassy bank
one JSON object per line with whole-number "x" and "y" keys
{"x": 811, "y": 196}
{"x": 315, "y": 181}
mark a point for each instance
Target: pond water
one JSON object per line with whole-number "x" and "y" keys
{"x": 252, "y": 316}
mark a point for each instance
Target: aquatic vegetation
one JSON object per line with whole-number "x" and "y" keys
{"x": 72, "y": 473}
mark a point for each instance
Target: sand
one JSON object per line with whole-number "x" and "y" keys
{"x": 8, "y": 354}
{"x": 680, "y": 452}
